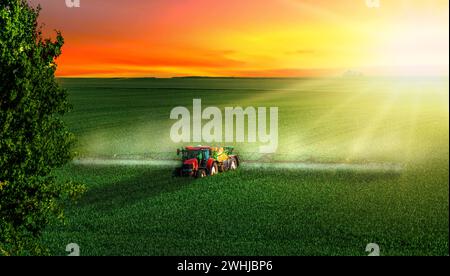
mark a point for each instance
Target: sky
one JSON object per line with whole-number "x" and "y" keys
{"x": 249, "y": 38}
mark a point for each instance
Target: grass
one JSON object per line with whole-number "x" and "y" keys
{"x": 141, "y": 210}
{"x": 322, "y": 120}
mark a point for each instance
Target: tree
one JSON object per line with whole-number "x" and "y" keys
{"x": 33, "y": 137}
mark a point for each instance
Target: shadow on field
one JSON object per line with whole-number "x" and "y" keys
{"x": 131, "y": 190}
{"x": 153, "y": 182}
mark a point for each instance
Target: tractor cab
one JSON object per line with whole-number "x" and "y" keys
{"x": 196, "y": 160}
{"x": 200, "y": 154}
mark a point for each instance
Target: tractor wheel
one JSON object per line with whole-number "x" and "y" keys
{"x": 233, "y": 165}
{"x": 226, "y": 165}
{"x": 214, "y": 170}
{"x": 201, "y": 173}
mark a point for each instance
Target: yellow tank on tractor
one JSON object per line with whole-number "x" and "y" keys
{"x": 224, "y": 158}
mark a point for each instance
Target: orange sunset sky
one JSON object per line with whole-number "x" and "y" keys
{"x": 249, "y": 38}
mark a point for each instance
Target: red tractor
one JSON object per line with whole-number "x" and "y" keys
{"x": 202, "y": 161}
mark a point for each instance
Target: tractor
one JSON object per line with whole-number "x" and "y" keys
{"x": 202, "y": 161}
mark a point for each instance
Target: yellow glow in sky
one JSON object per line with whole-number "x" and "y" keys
{"x": 251, "y": 37}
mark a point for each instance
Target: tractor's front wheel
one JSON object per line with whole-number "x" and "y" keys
{"x": 201, "y": 173}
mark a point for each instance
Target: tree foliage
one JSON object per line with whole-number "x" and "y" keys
{"x": 33, "y": 138}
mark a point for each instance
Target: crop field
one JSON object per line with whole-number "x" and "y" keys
{"x": 362, "y": 160}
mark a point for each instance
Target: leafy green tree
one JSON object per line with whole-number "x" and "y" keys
{"x": 33, "y": 138}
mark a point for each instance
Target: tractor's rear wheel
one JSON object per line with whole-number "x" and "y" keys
{"x": 201, "y": 173}
{"x": 214, "y": 170}
{"x": 233, "y": 165}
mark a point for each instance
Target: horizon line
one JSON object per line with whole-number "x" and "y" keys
{"x": 256, "y": 77}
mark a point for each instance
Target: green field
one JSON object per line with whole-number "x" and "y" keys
{"x": 142, "y": 210}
